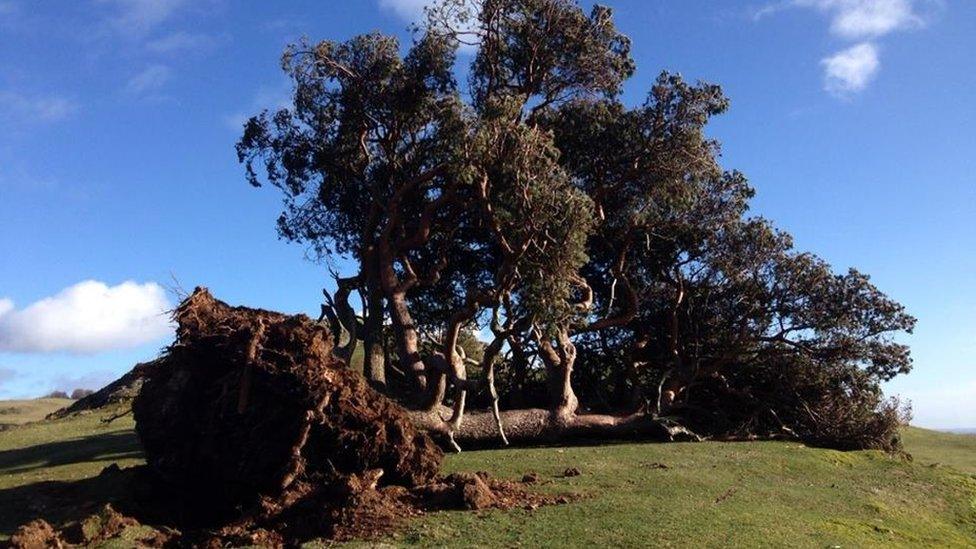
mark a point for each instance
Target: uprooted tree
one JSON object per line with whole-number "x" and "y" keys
{"x": 595, "y": 241}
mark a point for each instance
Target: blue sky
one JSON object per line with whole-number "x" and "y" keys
{"x": 852, "y": 118}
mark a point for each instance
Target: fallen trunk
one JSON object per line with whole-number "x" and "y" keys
{"x": 535, "y": 425}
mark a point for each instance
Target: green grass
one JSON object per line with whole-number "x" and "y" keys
{"x": 758, "y": 494}
{"x": 935, "y": 448}
{"x": 19, "y": 412}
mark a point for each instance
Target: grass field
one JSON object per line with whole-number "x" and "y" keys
{"x": 681, "y": 495}
{"x": 18, "y": 412}
{"x": 935, "y": 448}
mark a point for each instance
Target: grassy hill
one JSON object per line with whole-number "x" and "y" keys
{"x": 937, "y": 448}
{"x": 702, "y": 495}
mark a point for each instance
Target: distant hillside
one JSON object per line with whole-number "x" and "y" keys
{"x": 121, "y": 390}
{"x": 19, "y": 412}
{"x": 935, "y": 447}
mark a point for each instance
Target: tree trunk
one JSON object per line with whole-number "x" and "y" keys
{"x": 520, "y": 371}
{"x": 535, "y": 425}
{"x": 347, "y": 320}
{"x": 408, "y": 341}
{"x": 559, "y": 363}
{"x": 374, "y": 363}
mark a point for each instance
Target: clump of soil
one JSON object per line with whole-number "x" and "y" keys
{"x": 530, "y": 478}
{"x": 90, "y": 531}
{"x": 36, "y": 534}
{"x": 255, "y": 435}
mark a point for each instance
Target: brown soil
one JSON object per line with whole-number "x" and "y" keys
{"x": 36, "y": 534}
{"x": 255, "y": 435}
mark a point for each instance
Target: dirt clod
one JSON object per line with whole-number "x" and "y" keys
{"x": 105, "y": 525}
{"x": 572, "y": 472}
{"x": 530, "y": 478}
{"x": 475, "y": 492}
{"x": 37, "y": 534}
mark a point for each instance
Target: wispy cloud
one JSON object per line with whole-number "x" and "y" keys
{"x": 858, "y": 19}
{"x": 410, "y": 10}
{"x": 137, "y": 17}
{"x": 85, "y": 318}
{"x": 150, "y": 79}
{"x": 267, "y": 98}
{"x": 181, "y": 41}
{"x": 849, "y": 71}
{"x": 413, "y": 11}
{"x": 24, "y": 108}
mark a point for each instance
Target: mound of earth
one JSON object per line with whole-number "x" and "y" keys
{"x": 249, "y": 410}
{"x": 255, "y": 435}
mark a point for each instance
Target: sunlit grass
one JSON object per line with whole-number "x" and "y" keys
{"x": 705, "y": 495}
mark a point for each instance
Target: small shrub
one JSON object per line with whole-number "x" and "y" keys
{"x": 79, "y": 394}
{"x": 835, "y": 406}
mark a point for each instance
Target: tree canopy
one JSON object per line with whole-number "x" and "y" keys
{"x": 531, "y": 203}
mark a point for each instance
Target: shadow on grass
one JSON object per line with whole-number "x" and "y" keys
{"x": 64, "y": 501}
{"x": 109, "y": 446}
{"x": 59, "y": 502}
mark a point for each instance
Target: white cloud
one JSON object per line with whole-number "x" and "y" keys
{"x": 150, "y": 79}
{"x": 85, "y": 318}
{"x": 25, "y": 108}
{"x": 181, "y": 41}
{"x": 858, "y": 19}
{"x": 850, "y": 70}
{"x": 136, "y": 17}
{"x": 413, "y": 11}
{"x": 410, "y": 10}
{"x": 267, "y": 98}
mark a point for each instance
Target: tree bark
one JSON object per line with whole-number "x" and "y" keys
{"x": 559, "y": 361}
{"x": 374, "y": 362}
{"x": 408, "y": 340}
{"x": 347, "y": 319}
